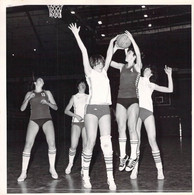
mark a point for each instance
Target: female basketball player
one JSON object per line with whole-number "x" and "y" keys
{"x": 97, "y": 111}
{"x": 78, "y": 101}
{"x": 146, "y": 116}
{"x": 40, "y": 101}
{"x": 127, "y": 108}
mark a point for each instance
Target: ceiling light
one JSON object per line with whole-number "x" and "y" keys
{"x": 103, "y": 35}
{"x": 13, "y": 54}
{"x": 34, "y": 49}
{"x": 145, "y": 15}
{"x": 72, "y": 12}
{"x": 149, "y": 25}
{"x": 143, "y": 6}
{"x": 99, "y": 22}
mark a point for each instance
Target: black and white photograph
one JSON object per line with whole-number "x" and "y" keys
{"x": 97, "y": 97}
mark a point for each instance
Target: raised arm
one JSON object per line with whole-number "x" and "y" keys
{"x": 68, "y": 110}
{"x": 75, "y": 30}
{"x": 168, "y": 89}
{"x": 110, "y": 51}
{"x": 138, "y": 65}
{"x": 27, "y": 98}
{"x": 51, "y": 102}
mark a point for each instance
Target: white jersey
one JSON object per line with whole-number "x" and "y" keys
{"x": 99, "y": 88}
{"x": 145, "y": 88}
{"x": 79, "y": 103}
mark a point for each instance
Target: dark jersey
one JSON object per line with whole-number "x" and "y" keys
{"x": 128, "y": 83}
{"x": 39, "y": 110}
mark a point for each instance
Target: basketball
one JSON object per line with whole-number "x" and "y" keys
{"x": 123, "y": 41}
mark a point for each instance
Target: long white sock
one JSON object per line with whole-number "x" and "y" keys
{"x": 158, "y": 163}
{"x": 122, "y": 146}
{"x": 86, "y": 163}
{"x": 71, "y": 155}
{"x": 25, "y": 160}
{"x": 52, "y": 157}
{"x": 133, "y": 144}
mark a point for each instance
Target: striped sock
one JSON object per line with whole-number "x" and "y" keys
{"x": 109, "y": 166}
{"x": 122, "y": 145}
{"x": 86, "y": 163}
{"x": 133, "y": 144}
{"x": 158, "y": 162}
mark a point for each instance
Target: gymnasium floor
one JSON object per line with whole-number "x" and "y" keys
{"x": 176, "y": 156}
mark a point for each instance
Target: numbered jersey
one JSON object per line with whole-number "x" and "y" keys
{"x": 39, "y": 110}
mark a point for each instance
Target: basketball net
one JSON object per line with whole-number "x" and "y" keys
{"x": 55, "y": 11}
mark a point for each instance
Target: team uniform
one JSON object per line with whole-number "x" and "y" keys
{"x": 128, "y": 92}
{"x": 146, "y": 89}
{"x": 40, "y": 113}
{"x": 99, "y": 93}
{"x": 79, "y": 105}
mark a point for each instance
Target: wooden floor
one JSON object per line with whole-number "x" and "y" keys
{"x": 176, "y": 155}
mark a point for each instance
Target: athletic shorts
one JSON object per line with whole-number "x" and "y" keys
{"x": 98, "y": 110}
{"x": 79, "y": 124}
{"x": 41, "y": 122}
{"x": 127, "y": 102}
{"x": 144, "y": 113}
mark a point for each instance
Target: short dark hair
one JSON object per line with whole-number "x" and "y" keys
{"x": 95, "y": 59}
{"x": 154, "y": 72}
{"x": 80, "y": 81}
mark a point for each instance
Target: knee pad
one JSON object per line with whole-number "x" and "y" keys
{"x": 106, "y": 145}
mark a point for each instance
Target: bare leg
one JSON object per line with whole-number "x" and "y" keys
{"x": 151, "y": 132}
{"x": 48, "y": 129}
{"x": 75, "y": 135}
{"x": 106, "y": 145}
{"x": 32, "y": 131}
{"x": 133, "y": 113}
{"x": 91, "y": 124}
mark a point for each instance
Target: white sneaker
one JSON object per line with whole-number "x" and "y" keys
{"x": 160, "y": 174}
{"x": 87, "y": 183}
{"x": 112, "y": 185}
{"x": 22, "y": 176}
{"x": 53, "y": 173}
{"x": 68, "y": 169}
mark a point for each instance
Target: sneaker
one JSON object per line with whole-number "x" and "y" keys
{"x": 22, "y": 176}
{"x": 68, "y": 169}
{"x": 123, "y": 162}
{"x": 112, "y": 185}
{"x": 131, "y": 164}
{"x": 86, "y": 181}
{"x": 53, "y": 173}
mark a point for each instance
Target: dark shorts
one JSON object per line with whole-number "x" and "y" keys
{"x": 144, "y": 113}
{"x": 98, "y": 110}
{"x": 79, "y": 124}
{"x": 41, "y": 122}
{"x": 127, "y": 102}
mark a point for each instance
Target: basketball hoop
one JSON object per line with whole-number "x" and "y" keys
{"x": 55, "y": 11}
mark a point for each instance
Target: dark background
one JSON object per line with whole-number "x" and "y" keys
{"x": 58, "y": 60}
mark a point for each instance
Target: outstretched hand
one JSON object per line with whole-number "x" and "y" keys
{"x": 168, "y": 70}
{"x": 128, "y": 34}
{"x": 74, "y": 28}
